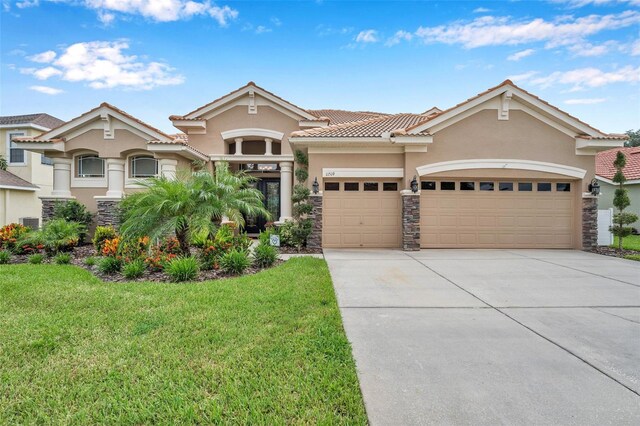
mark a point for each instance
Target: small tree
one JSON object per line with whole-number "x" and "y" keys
{"x": 621, "y": 201}
{"x": 3, "y": 163}
{"x": 634, "y": 138}
{"x": 302, "y": 225}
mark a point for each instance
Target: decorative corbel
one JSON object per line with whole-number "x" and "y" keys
{"x": 108, "y": 126}
{"x": 253, "y": 109}
{"x": 503, "y": 112}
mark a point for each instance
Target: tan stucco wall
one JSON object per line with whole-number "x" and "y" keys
{"x": 238, "y": 118}
{"x": 319, "y": 161}
{"x": 18, "y": 204}
{"x": 93, "y": 140}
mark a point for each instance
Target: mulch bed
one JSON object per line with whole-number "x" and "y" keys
{"x": 81, "y": 253}
{"x": 303, "y": 250}
{"x": 610, "y": 251}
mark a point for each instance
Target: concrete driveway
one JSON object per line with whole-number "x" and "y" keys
{"x": 492, "y": 336}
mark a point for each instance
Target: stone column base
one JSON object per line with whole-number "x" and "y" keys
{"x": 315, "y": 239}
{"x": 410, "y": 220}
{"x": 108, "y": 211}
{"x": 589, "y": 221}
{"x": 49, "y": 206}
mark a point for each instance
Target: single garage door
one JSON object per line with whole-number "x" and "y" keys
{"x": 362, "y": 213}
{"x": 492, "y": 213}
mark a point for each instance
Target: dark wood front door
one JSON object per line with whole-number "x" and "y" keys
{"x": 270, "y": 188}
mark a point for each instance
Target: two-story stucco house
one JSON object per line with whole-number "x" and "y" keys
{"x": 501, "y": 169}
{"x": 29, "y": 175}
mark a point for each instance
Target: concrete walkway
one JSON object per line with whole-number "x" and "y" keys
{"x": 492, "y": 336}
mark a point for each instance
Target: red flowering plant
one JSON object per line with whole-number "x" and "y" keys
{"x": 162, "y": 253}
{"x": 10, "y": 234}
{"x": 134, "y": 249}
{"x": 110, "y": 247}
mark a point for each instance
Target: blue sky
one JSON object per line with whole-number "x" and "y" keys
{"x": 154, "y": 58}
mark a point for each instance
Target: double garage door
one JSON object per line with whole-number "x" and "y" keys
{"x": 455, "y": 213}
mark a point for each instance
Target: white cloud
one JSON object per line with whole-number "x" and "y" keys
{"x": 44, "y": 57}
{"x": 521, "y": 54}
{"x": 494, "y": 31}
{"x": 103, "y": 64}
{"x": 481, "y": 10}
{"x": 275, "y": 21}
{"x": 590, "y": 77}
{"x": 398, "y": 37}
{"x": 367, "y": 36}
{"x": 46, "y": 90}
{"x": 261, "y": 29}
{"x": 591, "y": 50}
{"x": 582, "y": 3}
{"x": 584, "y": 101}
{"x": 635, "y": 48}
{"x": 327, "y": 30}
{"x": 156, "y": 10}
{"x": 522, "y": 77}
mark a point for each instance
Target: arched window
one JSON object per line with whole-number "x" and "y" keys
{"x": 90, "y": 166}
{"x": 143, "y": 166}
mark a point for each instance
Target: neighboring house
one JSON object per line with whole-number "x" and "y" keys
{"x": 29, "y": 175}
{"x": 605, "y": 172}
{"x": 502, "y": 169}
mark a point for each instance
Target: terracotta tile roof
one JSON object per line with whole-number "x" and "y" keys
{"x": 339, "y": 116}
{"x": 374, "y": 127}
{"x": 36, "y": 139}
{"x": 504, "y": 83}
{"x": 251, "y": 83}
{"x": 604, "y": 163}
{"x": 40, "y": 119}
{"x": 9, "y": 179}
{"x": 180, "y": 139}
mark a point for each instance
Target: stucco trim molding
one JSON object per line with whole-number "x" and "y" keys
{"x": 358, "y": 172}
{"x": 610, "y": 182}
{"x": 252, "y": 132}
{"x": 538, "y": 166}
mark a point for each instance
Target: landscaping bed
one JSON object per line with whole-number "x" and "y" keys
{"x": 630, "y": 248}
{"x": 262, "y": 349}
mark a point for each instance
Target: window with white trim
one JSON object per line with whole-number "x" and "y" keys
{"x": 16, "y": 156}
{"x": 90, "y": 166}
{"x": 143, "y": 166}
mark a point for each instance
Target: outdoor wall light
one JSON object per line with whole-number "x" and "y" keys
{"x": 316, "y": 185}
{"x": 594, "y": 187}
{"x": 414, "y": 184}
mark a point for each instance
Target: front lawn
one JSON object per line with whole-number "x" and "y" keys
{"x": 262, "y": 349}
{"x": 632, "y": 242}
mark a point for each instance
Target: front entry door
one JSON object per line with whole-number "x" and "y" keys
{"x": 270, "y": 189}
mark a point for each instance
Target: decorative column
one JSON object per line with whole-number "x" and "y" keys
{"x": 286, "y": 184}
{"x": 589, "y": 221}
{"x": 268, "y": 146}
{"x": 410, "y": 220}
{"x": 61, "y": 178}
{"x": 115, "y": 177}
{"x": 238, "y": 146}
{"x": 168, "y": 168}
{"x": 61, "y": 187}
{"x": 315, "y": 239}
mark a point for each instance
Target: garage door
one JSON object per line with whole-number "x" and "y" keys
{"x": 362, "y": 213}
{"x": 486, "y": 213}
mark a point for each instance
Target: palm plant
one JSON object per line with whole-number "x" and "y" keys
{"x": 190, "y": 203}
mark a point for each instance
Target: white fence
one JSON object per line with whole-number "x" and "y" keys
{"x": 605, "y": 220}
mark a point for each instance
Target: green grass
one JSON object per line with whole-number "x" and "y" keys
{"x": 632, "y": 242}
{"x": 635, "y": 257}
{"x": 261, "y": 349}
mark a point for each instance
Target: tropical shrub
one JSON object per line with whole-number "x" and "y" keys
{"x": 11, "y": 233}
{"x": 73, "y": 211}
{"x": 193, "y": 202}
{"x": 133, "y": 269}
{"x": 62, "y": 259}
{"x": 101, "y": 234}
{"x": 162, "y": 253}
{"x": 110, "y": 247}
{"x": 36, "y": 259}
{"x": 265, "y": 255}
{"x": 235, "y": 262}
{"x": 55, "y": 236}
{"x": 134, "y": 249}
{"x": 3, "y": 163}
{"x": 90, "y": 261}
{"x": 182, "y": 269}
{"x": 285, "y": 231}
{"x": 109, "y": 265}
{"x": 5, "y": 257}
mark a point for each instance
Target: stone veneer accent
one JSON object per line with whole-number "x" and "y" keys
{"x": 410, "y": 221}
{"x": 49, "y": 207}
{"x": 315, "y": 239}
{"x": 108, "y": 212}
{"x": 589, "y": 222}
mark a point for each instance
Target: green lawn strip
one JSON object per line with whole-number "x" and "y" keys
{"x": 632, "y": 242}
{"x": 267, "y": 348}
{"x": 635, "y": 257}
